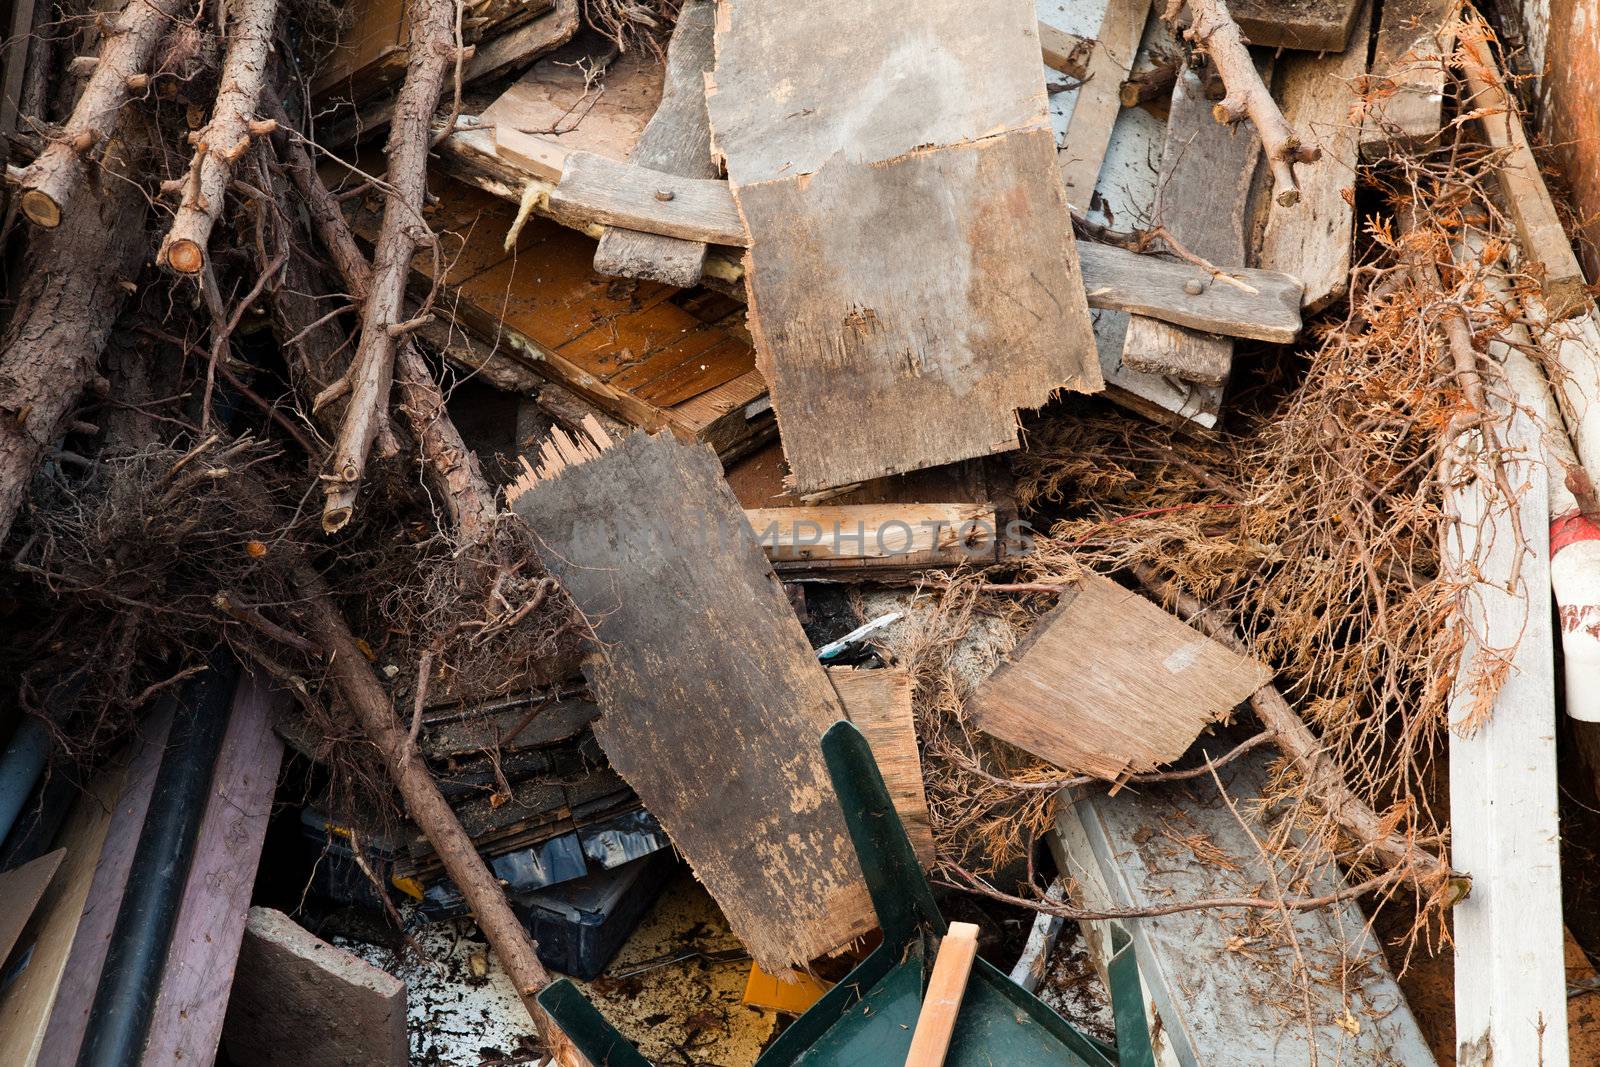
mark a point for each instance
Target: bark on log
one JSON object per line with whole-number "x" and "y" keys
{"x": 223, "y": 140}
{"x": 1322, "y": 775}
{"x": 427, "y": 807}
{"x": 75, "y": 280}
{"x": 50, "y": 183}
{"x": 433, "y": 53}
{"x": 1211, "y": 28}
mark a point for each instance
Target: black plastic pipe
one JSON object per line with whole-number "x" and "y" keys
{"x": 119, "y": 1022}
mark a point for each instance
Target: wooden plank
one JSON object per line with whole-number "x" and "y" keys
{"x": 1406, "y": 90}
{"x": 844, "y": 286}
{"x": 69, "y": 1020}
{"x": 1221, "y": 987}
{"x": 1065, "y": 52}
{"x": 25, "y": 1009}
{"x": 1319, "y": 96}
{"x": 1309, "y": 25}
{"x": 602, "y": 190}
{"x": 21, "y": 888}
{"x": 934, "y": 535}
{"x": 298, "y": 1001}
{"x": 947, "y": 986}
{"x": 676, "y": 141}
{"x": 186, "y": 1024}
{"x": 878, "y": 702}
{"x": 1204, "y": 190}
{"x": 1510, "y": 994}
{"x": 1108, "y": 684}
{"x": 700, "y": 655}
{"x": 1095, "y": 109}
{"x": 518, "y": 46}
{"x": 1157, "y": 287}
{"x": 1546, "y": 250}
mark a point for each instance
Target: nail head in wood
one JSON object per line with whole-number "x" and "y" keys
{"x": 665, "y": 194}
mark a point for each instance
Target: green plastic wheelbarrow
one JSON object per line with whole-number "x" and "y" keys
{"x": 867, "y": 1020}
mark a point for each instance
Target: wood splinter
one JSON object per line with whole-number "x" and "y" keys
{"x": 1212, "y": 28}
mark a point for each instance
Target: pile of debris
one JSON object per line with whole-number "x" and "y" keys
{"x": 685, "y": 495}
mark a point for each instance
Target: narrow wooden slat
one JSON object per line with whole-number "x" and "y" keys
{"x": 947, "y": 987}
{"x": 1406, "y": 94}
{"x": 1094, "y": 112}
{"x": 638, "y": 198}
{"x": 1318, "y": 95}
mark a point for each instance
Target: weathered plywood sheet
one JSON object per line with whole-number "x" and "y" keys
{"x": 799, "y": 82}
{"x": 713, "y": 703}
{"x": 904, "y": 311}
{"x": 878, "y": 702}
{"x": 912, "y": 276}
{"x": 1108, "y": 683}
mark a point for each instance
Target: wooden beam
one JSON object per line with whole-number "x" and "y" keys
{"x": 1406, "y": 92}
{"x": 1308, "y": 25}
{"x": 1546, "y": 250}
{"x": 1203, "y": 191}
{"x": 1510, "y": 991}
{"x": 1318, "y": 95}
{"x": 598, "y": 189}
{"x": 1096, "y": 103}
{"x": 186, "y": 1023}
{"x": 298, "y": 1001}
{"x": 676, "y": 141}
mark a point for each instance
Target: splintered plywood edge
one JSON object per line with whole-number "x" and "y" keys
{"x": 878, "y": 703}
{"x": 712, "y": 702}
{"x": 1108, "y": 684}
{"x": 922, "y": 286}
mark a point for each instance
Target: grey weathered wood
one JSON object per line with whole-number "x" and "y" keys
{"x": 1108, "y": 684}
{"x": 799, "y": 82}
{"x": 942, "y": 286}
{"x": 1406, "y": 93}
{"x": 1223, "y": 984}
{"x": 1319, "y": 96}
{"x": 298, "y": 1001}
{"x": 597, "y": 189}
{"x": 1309, "y": 25}
{"x": 676, "y": 141}
{"x": 1203, "y": 193}
{"x": 713, "y": 703}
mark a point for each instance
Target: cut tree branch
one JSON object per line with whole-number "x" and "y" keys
{"x": 1211, "y": 28}
{"x": 49, "y": 184}
{"x": 223, "y": 140}
{"x": 370, "y": 703}
{"x": 433, "y": 53}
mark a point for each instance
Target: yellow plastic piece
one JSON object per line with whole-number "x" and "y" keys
{"x": 791, "y": 994}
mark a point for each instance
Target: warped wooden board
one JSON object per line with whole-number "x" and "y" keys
{"x": 878, "y": 702}
{"x": 713, "y": 703}
{"x": 1096, "y": 105}
{"x": 1108, "y": 684}
{"x": 1221, "y": 988}
{"x": 1510, "y": 994}
{"x": 1320, "y": 96}
{"x": 904, "y": 312}
{"x": 649, "y": 355}
{"x": 1406, "y": 92}
{"x": 800, "y": 82}
{"x": 554, "y": 101}
{"x": 186, "y": 1022}
{"x": 1308, "y": 25}
{"x": 1546, "y": 249}
{"x": 21, "y": 888}
{"x": 69, "y": 1019}
{"x": 677, "y": 140}
{"x": 298, "y": 1001}
{"x": 1204, "y": 188}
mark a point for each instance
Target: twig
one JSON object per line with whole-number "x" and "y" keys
{"x": 424, "y": 668}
